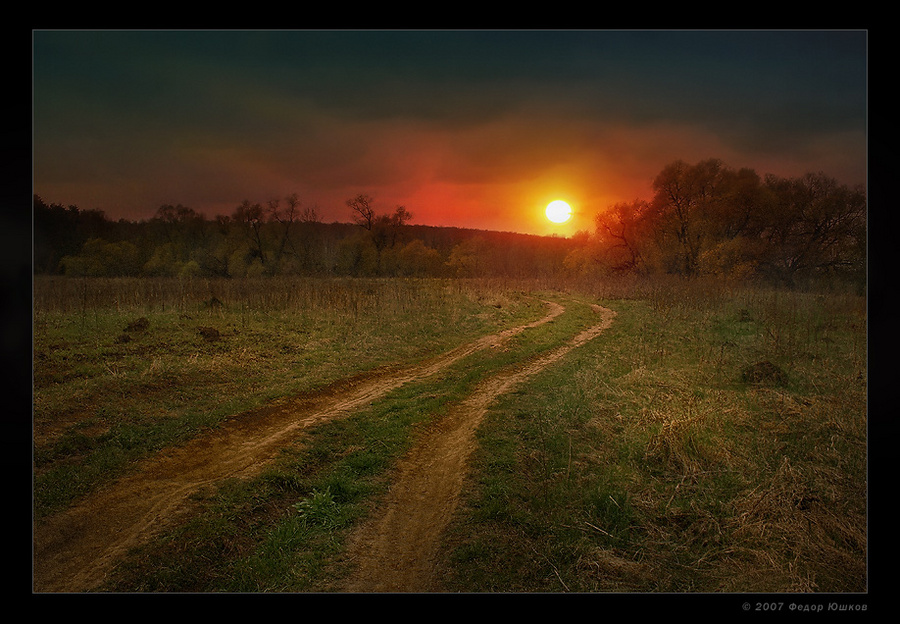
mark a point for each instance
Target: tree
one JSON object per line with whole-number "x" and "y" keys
{"x": 415, "y": 259}
{"x": 686, "y": 201}
{"x": 357, "y": 256}
{"x": 469, "y": 258}
{"x": 250, "y": 217}
{"x": 815, "y": 227}
{"x": 99, "y": 258}
{"x": 401, "y": 216}
{"x": 383, "y": 229}
{"x": 54, "y": 234}
{"x": 363, "y": 212}
{"x": 310, "y": 214}
{"x": 60, "y": 231}
{"x": 621, "y": 231}
{"x": 285, "y": 217}
{"x": 733, "y": 224}
{"x": 182, "y": 231}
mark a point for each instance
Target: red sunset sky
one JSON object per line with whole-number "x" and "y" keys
{"x": 464, "y": 128}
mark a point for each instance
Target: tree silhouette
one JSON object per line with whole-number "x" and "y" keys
{"x": 250, "y": 217}
{"x": 622, "y": 229}
{"x": 363, "y": 211}
{"x": 686, "y": 200}
{"x": 814, "y": 226}
{"x": 703, "y": 219}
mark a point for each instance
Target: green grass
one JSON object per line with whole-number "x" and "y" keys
{"x": 643, "y": 462}
{"x": 285, "y": 530}
{"x": 105, "y": 396}
{"x": 640, "y": 462}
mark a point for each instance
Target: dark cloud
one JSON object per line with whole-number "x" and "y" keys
{"x": 211, "y": 113}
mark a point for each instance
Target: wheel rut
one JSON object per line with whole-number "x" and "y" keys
{"x": 74, "y": 550}
{"x": 396, "y": 551}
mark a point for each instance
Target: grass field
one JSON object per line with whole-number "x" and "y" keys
{"x": 712, "y": 440}
{"x": 123, "y": 368}
{"x": 648, "y": 462}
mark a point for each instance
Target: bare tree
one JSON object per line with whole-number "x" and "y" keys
{"x": 620, "y": 230}
{"x": 251, "y": 217}
{"x": 310, "y": 214}
{"x": 816, "y": 226}
{"x": 286, "y": 218}
{"x": 364, "y": 213}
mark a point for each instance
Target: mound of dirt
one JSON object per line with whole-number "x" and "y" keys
{"x": 210, "y": 334}
{"x": 138, "y": 325}
{"x": 764, "y": 373}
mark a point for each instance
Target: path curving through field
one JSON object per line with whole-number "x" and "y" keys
{"x": 74, "y": 550}
{"x": 395, "y": 551}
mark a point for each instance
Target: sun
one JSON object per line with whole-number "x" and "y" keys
{"x": 559, "y": 211}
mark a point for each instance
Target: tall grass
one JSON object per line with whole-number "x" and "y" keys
{"x": 647, "y": 462}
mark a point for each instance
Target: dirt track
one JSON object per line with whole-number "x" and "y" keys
{"x": 75, "y": 550}
{"x": 422, "y": 500}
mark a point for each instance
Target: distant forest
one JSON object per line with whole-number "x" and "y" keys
{"x": 703, "y": 219}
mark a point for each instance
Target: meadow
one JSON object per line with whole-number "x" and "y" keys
{"x": 713, "y": 439}
{"x": 124, "y": 367}
{"x": 664, "y": 458}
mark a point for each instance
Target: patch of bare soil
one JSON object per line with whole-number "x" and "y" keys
{"x": 395, "y": 552}
{"x": 74, "y": 550}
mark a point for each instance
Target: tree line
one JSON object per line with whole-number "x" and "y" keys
{"x": 709, "y": 219}
{"x": 284, "y": 237}
{"x": 703, "y": 219}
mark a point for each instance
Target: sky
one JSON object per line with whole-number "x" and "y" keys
{"x": 477, "y": 129}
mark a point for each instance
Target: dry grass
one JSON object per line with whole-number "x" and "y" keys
{"x": 645, "y": 461}
{"x": 677, "y": 472}
{"x": 124, "y": 367}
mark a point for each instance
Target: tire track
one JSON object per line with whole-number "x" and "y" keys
{"x": 395, "y": 552}
{"x": 74, "y": 550}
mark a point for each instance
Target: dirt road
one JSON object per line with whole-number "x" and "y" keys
{"x": 395, "y": 551}
{"x": 75, "y": 550}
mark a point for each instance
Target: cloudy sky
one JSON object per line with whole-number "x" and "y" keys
{"x": 464, "y": 128}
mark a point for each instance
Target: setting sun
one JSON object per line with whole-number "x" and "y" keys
{"x": 559, "y": 211}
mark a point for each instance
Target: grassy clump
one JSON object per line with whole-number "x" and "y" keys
{"x": 646, "y": 462}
